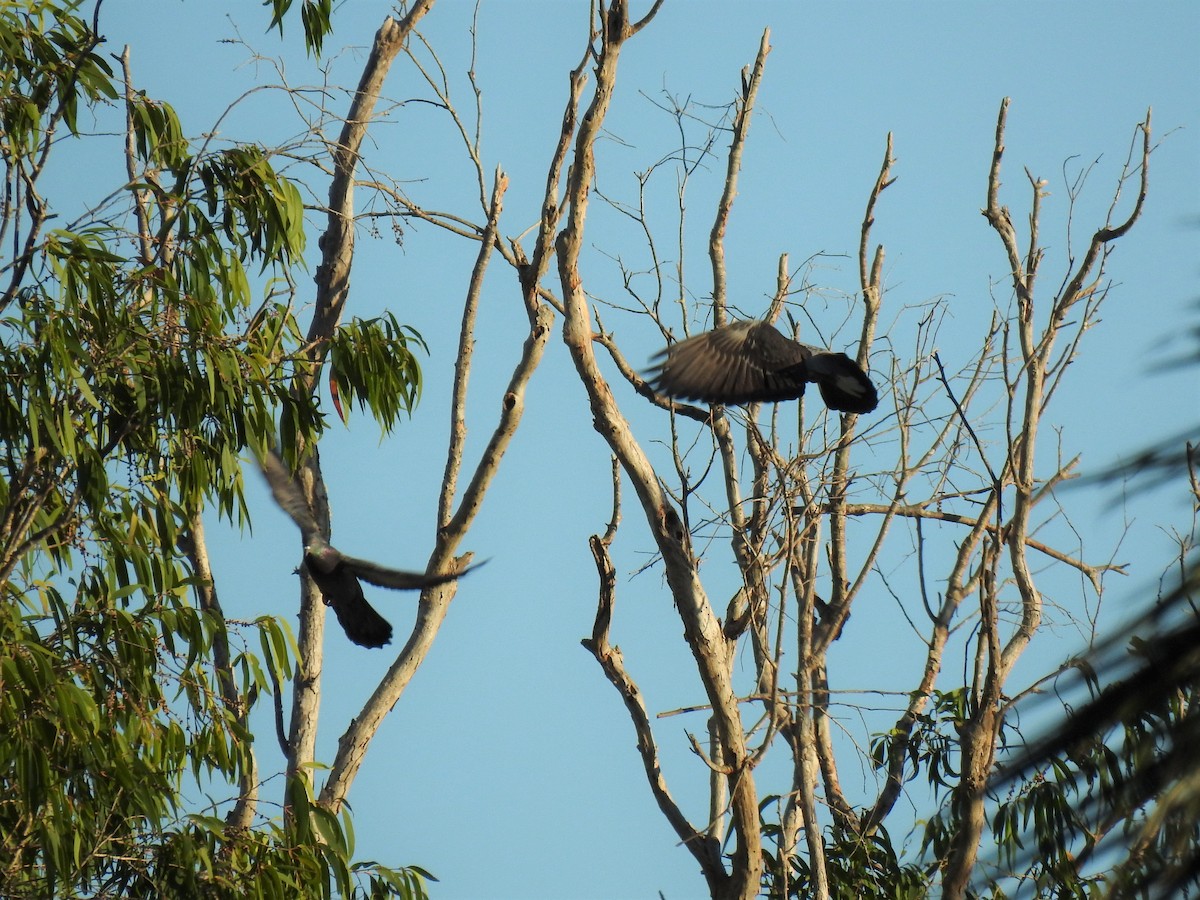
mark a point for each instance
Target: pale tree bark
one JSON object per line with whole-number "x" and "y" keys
{"x": 1036, "y": 379}
{"x": 241, "y": 815}
{"x": 456, "y": 509}
{"x": 464, "y": 485}
{"x": 454, "y": 519}
{"x": 332, "y": 291}
{"x": 787, "y": 515}
{"x": 702, "y": 629}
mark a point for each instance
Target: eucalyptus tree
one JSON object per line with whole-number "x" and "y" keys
{"x": 150, "y": 347}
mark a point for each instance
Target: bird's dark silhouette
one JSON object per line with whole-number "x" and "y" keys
{"x": 750, "y": 361}
{"x": 336, "y": 574}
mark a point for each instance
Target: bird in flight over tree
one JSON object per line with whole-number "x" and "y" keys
{"x": 750, "y": 361}
{"x": 336, "y": 574}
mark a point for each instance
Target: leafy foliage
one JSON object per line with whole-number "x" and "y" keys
{"x": 859, "y": 866}
{"x": 1111, "y": 788}
{"x": 315, "y": 16}
{"x": 372, "y": 363}
{"x": 138, "y": 370}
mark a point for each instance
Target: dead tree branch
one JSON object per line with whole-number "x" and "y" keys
{"x": 701, "y": 627}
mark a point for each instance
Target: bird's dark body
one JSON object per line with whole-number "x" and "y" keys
{"x": 750, "y": 362}
{"x": 337, "y": 575}
{"x": 341, "y": 591}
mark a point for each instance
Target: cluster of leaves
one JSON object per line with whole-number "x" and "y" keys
{"x": 932, "y": 746}
{"x": 137, "y": 373}
{"x": 857, "y": 866}
{"x": 109, "y": 705}
{"x": 371, "y": 362}
{"x": 51, "y": 69}
{"x": 315, "y": 16}
{"x": 1109, "y": 796}
{"x": 304, "y": 857}
{"x": 1103, "y": 804}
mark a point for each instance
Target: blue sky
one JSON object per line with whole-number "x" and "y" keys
{"x": 509, "y": 768}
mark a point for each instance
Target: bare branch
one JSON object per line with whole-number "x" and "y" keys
{"x": 701, "y": 626}
{"x": 337, "y": 243}
{"x": 241, "y": 816}
{"x": 332, "y": 290}
{"x": 741, "y": 127}
{"x": 466, "y": 350}
{"x": 434, "y": 603}
{"x": 646, "y": 19}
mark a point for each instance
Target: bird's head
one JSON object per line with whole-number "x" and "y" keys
{"x": 321, "y": 557}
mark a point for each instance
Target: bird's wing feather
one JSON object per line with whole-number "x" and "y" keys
{"x": 337, "y": 576}
{"x": 398, "y": 579}
{"x": 738, "y": 363}
{"x": 289, "y": 497}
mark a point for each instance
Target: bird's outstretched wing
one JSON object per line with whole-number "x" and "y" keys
{"x": 338, "y": 575}
{"x": 341, "y": 589}
{"x": 750, "y": 361}
{"x": 398, "y": 579}
{"x": 741, "y": 362}
{"x": 289, "y": 497}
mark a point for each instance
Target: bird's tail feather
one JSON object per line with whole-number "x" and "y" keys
{"x": 844, "y": 385}
{"x": 362, "y": 624}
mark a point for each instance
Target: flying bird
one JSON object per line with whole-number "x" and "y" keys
{"x": 336, "y": 574}
{"x": 750, "y": 361}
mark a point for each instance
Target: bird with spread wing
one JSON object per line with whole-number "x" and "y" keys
{"x": 751, "y": 361}
{"x": 336, "y": 574}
